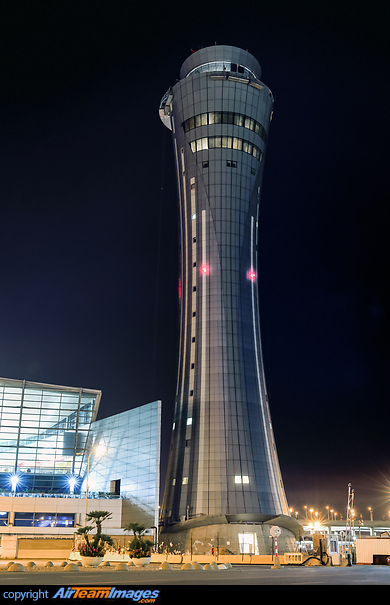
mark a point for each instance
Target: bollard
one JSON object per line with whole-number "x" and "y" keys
{"x": 71, "y": 567}
{"x": 165, "y": 565}
{"x": 16, "y": 567}
{"x": 276, "y": 564}
{"x": 187, "y": 566}
{"x": 196, "y": 565}
{"x": 121, "y": 567}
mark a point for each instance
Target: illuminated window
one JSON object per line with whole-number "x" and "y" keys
{"x": 185, "y": 480}
{"x": 202, "y": 144}
{"x": 228, "y": 143}
{"x": 241, "y": 479}
{"x": 225, "y": 117}
{"x": 189, "y": 420}
{"x": 3, "y": 518}
{"x": 23, "y": 519}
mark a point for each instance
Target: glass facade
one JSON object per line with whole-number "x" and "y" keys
{"x": 225, "y": 117}
{"x": 223, "y": 456}
{"x": 226, "y": 142}
{"x": 130, "y": 465}
{"x": 222, "y": 66}
{"x": 39, "y": 519}
{"x": 43, "y": 435}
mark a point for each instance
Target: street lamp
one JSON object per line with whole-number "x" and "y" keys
{"x": 371, "y": 513}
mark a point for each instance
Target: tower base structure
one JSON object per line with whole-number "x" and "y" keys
{"x": 231, "y": 534}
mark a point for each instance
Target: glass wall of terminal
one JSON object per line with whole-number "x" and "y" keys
{"x": 43, "y": 434}
{"x": 127, "y": 459}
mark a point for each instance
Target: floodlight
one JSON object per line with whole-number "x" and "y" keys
{"x": 72, "y": 483}
{"x": 14, "y": 482}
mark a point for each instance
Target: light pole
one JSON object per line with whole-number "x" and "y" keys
{"x": 99, "y": 451}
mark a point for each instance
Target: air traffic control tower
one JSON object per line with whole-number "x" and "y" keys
{"x": 223, "y": 468}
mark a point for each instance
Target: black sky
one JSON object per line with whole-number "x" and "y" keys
{"x": 88, "y": 229}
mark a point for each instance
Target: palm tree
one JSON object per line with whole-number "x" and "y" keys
{"x": 97, "y": 517}
{"x": 138, "y": 543}
{"x": 99, "y": 540}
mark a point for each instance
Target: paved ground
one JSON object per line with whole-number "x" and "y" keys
{"x": 240, "y": 575}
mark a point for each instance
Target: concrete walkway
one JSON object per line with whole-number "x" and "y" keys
{"x": 241, "y": 575}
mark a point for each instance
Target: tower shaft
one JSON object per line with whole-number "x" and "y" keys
{"x": 223, "y": 457}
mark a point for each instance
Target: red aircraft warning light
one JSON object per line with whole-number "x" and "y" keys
{"x": 251, "y": 275}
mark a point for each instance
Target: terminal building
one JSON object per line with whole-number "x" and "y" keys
{"x": 57, "y": 462}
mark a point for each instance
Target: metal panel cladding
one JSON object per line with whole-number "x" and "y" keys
{"x": 223, "y": 456}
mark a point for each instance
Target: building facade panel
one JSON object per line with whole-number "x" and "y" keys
{"x": 130, "y": 464}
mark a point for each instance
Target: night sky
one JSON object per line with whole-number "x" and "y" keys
{"x": 88, "y": 229}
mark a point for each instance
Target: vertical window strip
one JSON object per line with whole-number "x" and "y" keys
{"x": 185, "y": 276}
{"x": 269, "y": 457}
{"x": 202, "y": 402}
